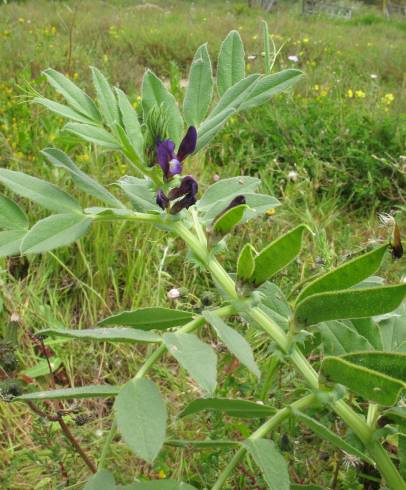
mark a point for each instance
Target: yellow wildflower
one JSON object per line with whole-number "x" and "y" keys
{"x": 161, "y": 474}
{"x": 350, "y": 94}
{"x": 360, "y": 94}
{"x": 305, "y": 40}
{"x": 75, "y": 75}
{"x": 316, "y": 87}
{"x": 388, "y": 99}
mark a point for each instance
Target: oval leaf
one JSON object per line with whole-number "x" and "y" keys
{"x": 102, "y": 480}
{"x": 277, "y": 255}
{"x": 231, "y": 62}
{"x": 200, "y": 88}
{"x": 42, "y": 368}
{"x": 346, "y": 275}
{"x": 234, "y": 408}
{"x": 150, "y": 318}
{"x": 272, "y": 464}
{"x": 227, "y": 189}
{"x": 103, "y": 334}
{"x": 141, "y": 418}
{"x": 352, "y": 303}
{"x": 73, "y": 95}
{"x": 234, "y": 342}
{"x": 82, "y": 180}
{"x": 105, "y": 97}
{"x": 368, "y": 383}
{"x": 131, "y": 124}
{"x": 10, "y": 242}
{"x": 55, "y": 231}
{"x": 93, "y": 134}
{"x": 246, "y": 262}
{"x": 92, "y": 391}
{"x": 39, "y": 191}
{"x": 195, "y": 356}
{"x": 229, "y": 219}
{"x": 12, "y": 217}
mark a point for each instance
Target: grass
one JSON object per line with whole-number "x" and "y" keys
{"x": 332, "y": 151}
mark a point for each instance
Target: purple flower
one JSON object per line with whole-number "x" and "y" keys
{"x": 184, "y": 196}
{"x": 171, "y": 162}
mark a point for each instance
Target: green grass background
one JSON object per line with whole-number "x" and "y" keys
{"x": 333, "y": 151}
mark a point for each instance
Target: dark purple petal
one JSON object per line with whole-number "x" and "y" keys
{"x": 165, "y": 153}
{"x": 188, "y": 145}
{"x": 188, "y": 185}
{"x": 161, "y": 199}
{"x": 183, "y": 203}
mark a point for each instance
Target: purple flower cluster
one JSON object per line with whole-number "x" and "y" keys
{"x": 171, "y": 165}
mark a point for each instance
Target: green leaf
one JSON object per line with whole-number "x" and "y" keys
{"x": 277, "y": 255}
{"x": 205, "y": 444}
{"x": 105, "y": 97}
{"x": 140, "y": 192}
{"x": 55, "y": 231}
{"x": 270, "y": 85}
{"x": 92, "y": 391}
{"x": 195, "y": 356}
{"x": 93, "y": 134}
{"x": 233, "y": 408}
{"x": 226, "y": 222}
{"x": 352, "y": 303}
{"x": 390, "y": 363}
{"x": 12, "y": 217}
{"x": 82, "y": 180}
{"x": 200, "y": 88}
{"x": 273, "y": 298}
{"x": 39, "y": 191}
{"x": 10, "y": 242}
{"x": 258, "y": 205}
{"x": 102, "y": 480}
{"x": 234, "y": 342}
{"x": 272, "y": 464}
{"x": 42, "y": 368}
{"x": 330, "y": 436}
{"x": 393, "y": 331}
{"x": 159, "y": 485}
{"x": 235, "y": 95}
{"x": 62, "y": 110}
{"x": 150, "y": 318}
{"x": 306, "y": 487}
{"x": 210, "y": 127}
{"x": 141, "y": 418}
{"x": 104, "y": 334}
{"x": 154, "y": 94}
{"x": 369, "y": 329}
{"x": 231, "y": 62}
{"x": 227, "y": 189}
{"x": 73, "y": 95}
{"x": 340, "y": 338}
{"x": 246, "y": 262}
{"x": 368, "y": 383}
{"x": 131, "y": 124}
{"x": 346, "y": 275}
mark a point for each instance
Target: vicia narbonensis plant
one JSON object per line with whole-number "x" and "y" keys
{"x": 362, "y": 360}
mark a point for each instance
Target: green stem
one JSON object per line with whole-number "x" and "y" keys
{"x": 151, "y": 360}
{"x": 353, "y": 420}
{"x": 261, "y": 432}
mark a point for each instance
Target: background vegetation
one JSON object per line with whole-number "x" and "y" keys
{"x": 333, "y": 151}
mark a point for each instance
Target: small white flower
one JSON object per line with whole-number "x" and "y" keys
{"x": 99, "y": 433}
{"x": 259, "y": 402}
{"x": 374, "y": 76}
{"x": 292, "y": 175}
{"x": 174, "y": 293}
{"x": 251, "y": 57}
{"x": 293, "y": 57}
